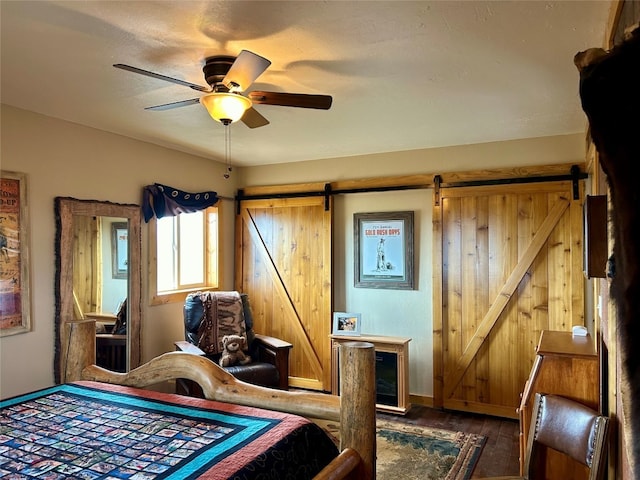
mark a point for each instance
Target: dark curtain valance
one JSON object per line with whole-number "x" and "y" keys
{"x": 164, "y": 201}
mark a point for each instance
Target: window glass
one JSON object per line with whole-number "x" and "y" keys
{"x": 191, "y": 258}
{"x": 186, "y": 255}
{"x": 166, "y": 239}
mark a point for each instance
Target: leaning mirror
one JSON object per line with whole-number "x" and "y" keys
{"x": 98, "y": 278}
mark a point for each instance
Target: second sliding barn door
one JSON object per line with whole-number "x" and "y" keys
{"x": 283, "y": 261}
{"x": 510, "y": 260}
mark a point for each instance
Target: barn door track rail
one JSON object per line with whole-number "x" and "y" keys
{"x": 326, "y": 193}
{"x": 574, "y": 176}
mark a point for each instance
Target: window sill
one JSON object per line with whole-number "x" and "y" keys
{"x": 177, "y": 296}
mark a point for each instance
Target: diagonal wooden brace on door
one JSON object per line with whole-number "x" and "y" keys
{"x": 491, "y": 317}
{"x": 289, "y": 310}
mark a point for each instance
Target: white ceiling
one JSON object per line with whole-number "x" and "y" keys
{"x": 403, "y": 75}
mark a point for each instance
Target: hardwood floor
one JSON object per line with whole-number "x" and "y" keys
{"x": 500, "y": 455}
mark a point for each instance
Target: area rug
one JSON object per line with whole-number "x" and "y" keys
{"x": 408, "y": 452}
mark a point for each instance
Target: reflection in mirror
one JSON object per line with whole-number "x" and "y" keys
{"x": 119, "y": 246}
{"x": 100, "y": 249}
{"x": 98, "y": 280}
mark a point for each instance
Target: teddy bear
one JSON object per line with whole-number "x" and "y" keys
{"x": 232, "y": 351}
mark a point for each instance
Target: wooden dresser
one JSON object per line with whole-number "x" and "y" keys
{"x": 564, "y": 365}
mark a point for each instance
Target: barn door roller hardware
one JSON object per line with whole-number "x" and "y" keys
{"x": 437, "y": 181}
{"x": 575, "y": 176}
{"x": 327, "y": 196}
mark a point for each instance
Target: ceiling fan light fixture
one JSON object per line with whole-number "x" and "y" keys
{"x": 226, "y": 107}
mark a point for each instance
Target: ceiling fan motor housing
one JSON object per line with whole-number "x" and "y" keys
{"x": 215, "y": 69}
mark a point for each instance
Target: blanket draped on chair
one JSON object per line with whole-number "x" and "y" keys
{"x": 213, "y": 315}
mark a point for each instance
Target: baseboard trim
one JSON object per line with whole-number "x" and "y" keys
{"x": 423, "y": 400}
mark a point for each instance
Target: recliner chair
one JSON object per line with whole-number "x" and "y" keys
{"x": 270, "y": 356}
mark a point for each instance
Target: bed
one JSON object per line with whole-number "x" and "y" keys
{"x": 96, "y": 430}
{"x": 104, "y": 424}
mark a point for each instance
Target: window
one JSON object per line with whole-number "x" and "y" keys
{"x": 185, "y": 256}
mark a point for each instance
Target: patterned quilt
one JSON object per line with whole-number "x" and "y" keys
{"x": 88, "y": 430}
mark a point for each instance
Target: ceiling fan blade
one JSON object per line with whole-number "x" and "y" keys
{"x": 253, "y": 119}
{"x": 129, "y": 68}
{"x": 301, "y": 100}
{"x": 169, "y": 106}
{"x": 245, "y": 69}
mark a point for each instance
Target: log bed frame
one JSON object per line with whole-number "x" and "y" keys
{"x": 355, "y": 408}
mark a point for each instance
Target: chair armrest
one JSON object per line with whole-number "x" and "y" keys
{"x": 273, "y": 342}
{"x": 188, "y": 347}
{"x": 270, "y": 349}
{"x": 275, "y": 351}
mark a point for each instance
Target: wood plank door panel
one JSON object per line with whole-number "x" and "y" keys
{"x": 511, "y": 266}
{"x": 283, "y": 261}
{"x": 87, "y": 265}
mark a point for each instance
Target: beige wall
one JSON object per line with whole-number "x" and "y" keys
{"x": 396, "y": 313}
{"x": 533, "y": 151}
{"x": 65, "y": 159}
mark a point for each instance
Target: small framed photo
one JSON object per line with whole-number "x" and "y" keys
{"x": 346, "y": 323}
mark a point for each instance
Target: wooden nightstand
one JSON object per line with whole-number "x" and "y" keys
{"x": 392, "y": 369}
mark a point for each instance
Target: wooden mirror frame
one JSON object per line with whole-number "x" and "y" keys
{"x": 65, "y": 209}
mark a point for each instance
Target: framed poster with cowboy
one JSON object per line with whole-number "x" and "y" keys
{"x": 383, "y": 250}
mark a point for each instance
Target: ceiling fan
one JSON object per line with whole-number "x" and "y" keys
{"x": 227, "y": 78}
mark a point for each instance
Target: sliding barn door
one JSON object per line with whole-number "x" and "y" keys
{"x": 283, "y": 261}
{"x": 87, "y": 265}
{"x": 510, "y": 259}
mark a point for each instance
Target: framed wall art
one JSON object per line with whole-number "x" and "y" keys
{"x": 383, "y": 250}
{"x": 15, "y": 302}
{"x": 119, "y": 249}
{"x": 346, "y": 323}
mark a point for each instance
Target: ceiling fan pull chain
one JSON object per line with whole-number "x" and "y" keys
{"x": 227, "y": 148}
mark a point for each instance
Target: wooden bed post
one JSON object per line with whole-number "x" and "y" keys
{"x": 358, "y": 404}
{"x": 81, "y": 349}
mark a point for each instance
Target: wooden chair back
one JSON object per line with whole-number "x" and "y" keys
{"x": 570, "y": 428}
